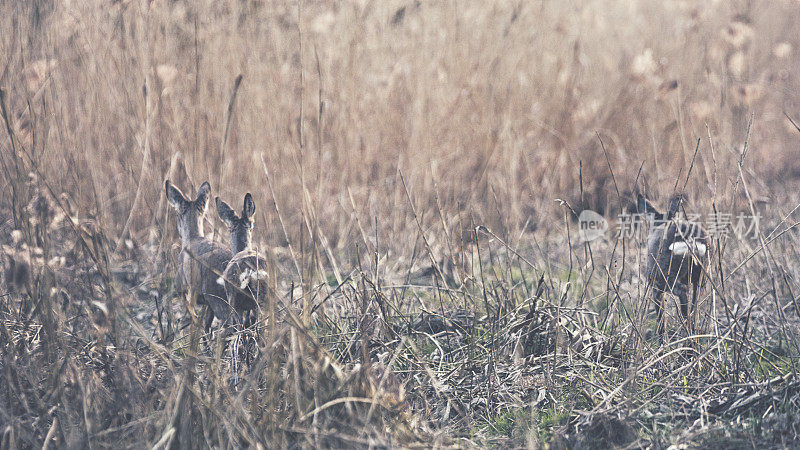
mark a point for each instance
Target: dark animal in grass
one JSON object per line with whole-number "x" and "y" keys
{"x": 246, "y": 277}
{"x": 201, "y": 260}
{"x": 678, "y": 252}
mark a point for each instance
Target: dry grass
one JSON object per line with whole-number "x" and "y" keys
{"x": 405, "y": 158}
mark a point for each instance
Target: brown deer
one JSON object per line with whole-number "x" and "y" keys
{"x": 201, "y": 260}
{"x": 245, "y": 277}
{"x": 678, "y": 252}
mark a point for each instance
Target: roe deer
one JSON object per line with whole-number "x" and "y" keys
{"x": 245, "y": 278}
{"x": 677, "y": 253}
{"x": 201, "y": 260}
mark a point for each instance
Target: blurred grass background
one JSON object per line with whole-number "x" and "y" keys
{"x": 489, "y": 106}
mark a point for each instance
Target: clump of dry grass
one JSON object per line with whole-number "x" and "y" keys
{"x": 405, "y": 157}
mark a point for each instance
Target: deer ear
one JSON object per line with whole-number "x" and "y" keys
{"x": 175, "y": 197}
{"x": 675, "y": 204}
{"x": 202, "y": 196}
{"x": 249, "y": 207}
{"x": 226, "y": 213}
{"x": 645, "y": 207}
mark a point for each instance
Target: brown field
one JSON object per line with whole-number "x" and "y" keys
{"x": 418, "y": 169}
